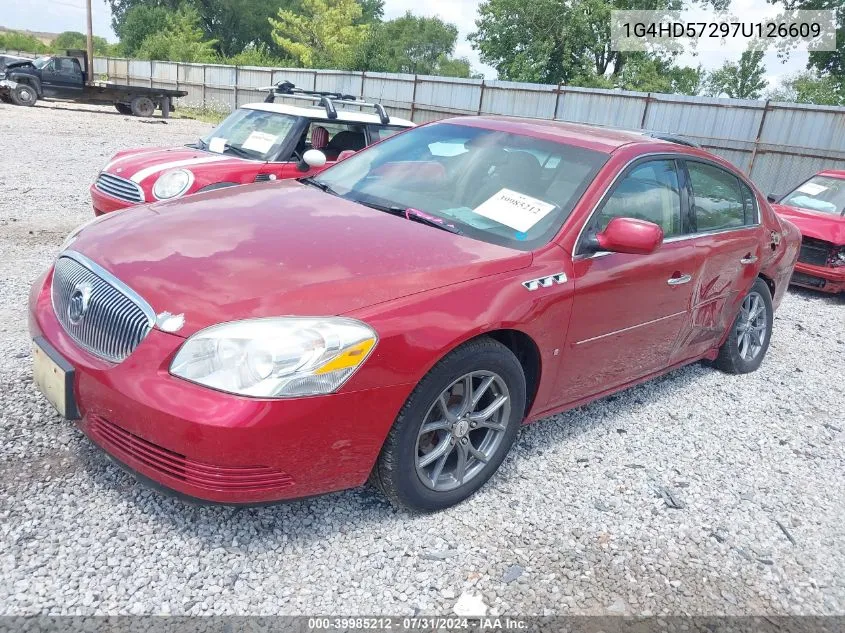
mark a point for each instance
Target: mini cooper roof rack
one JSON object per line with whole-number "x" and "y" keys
{"x": 672, "y": 138}
{"x": 326, "y": 99}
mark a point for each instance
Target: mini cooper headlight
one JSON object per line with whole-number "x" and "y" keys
{"x": 281, "y": 357}
{"x": 172, "y": 183}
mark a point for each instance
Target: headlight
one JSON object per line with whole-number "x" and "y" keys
{"x": 280, "y": 357}
{"x": 172, "y": 183}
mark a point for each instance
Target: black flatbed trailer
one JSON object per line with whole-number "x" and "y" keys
{"x": 62, "y": 77}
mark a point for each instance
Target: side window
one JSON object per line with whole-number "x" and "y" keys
{"x": 650, "y": 191}
{"x": 750, "y": 202}
{"x": 66, "y": 66}
{"x": 379, "y": 133}
{"x": 718, "y": 202}
{"x": 332, "y": 138}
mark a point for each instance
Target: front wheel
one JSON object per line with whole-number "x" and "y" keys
{"x": 23, "y": 95}
{"x": 455, "y": 428}
{"x": 751, "y": 332}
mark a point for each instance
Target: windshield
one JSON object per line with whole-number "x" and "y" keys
{"x": 502, "y": 188}
{"x": 253, "y": 134}
{"x": 40, "y": 62}
{"x": 819, "y": 193}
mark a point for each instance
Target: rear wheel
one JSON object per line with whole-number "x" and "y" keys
{"x": 455, "y": 429}
{"x": 123, "y": 108}
{"x": 23, "y": 95}
{"x": 750, "y": 334}
{"x": 142, "y": 106}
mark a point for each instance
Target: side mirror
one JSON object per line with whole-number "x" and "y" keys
{"x": 627, "y": 235}
{"x": 311, "y": 159}
{"x": 772, "y": 197}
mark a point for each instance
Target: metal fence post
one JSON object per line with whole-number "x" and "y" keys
{"x": 558, "y": 92}
{"x": 481, "y": 98}
{"x": 236, "y": 87}
{"x": 414, "y": 97}
{"x": 203, "y": 85}
{"x": 759, "y": 136}
{"x": 645, "y": 111}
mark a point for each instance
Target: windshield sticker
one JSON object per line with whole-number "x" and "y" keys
{"x": 515, "y": 210}
{"x": 260, "y": 142}
{"x": 812, "y": 188}
{"x": 217, "y": 145}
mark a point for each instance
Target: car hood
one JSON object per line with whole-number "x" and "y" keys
{"x": 821, "y": 226}
{"x": 279, "y": 249}
{"x": 21, "y": 64}
{"x": 139, "y": 165}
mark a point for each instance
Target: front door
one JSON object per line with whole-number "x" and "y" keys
{"x": 61, "y": 77}
{"x": 629, "y": 310}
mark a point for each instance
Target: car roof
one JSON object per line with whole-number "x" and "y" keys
{"x": 602, "y": 139}
{"x": 320, "y": 113}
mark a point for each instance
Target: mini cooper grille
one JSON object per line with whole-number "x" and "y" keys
{"x": 815, "y": 252}
{"x": 119, "y": 188}
{"x": 127, "y": 446}
{"x": 97, "y": 310}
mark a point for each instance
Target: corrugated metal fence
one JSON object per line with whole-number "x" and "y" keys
{"x": 778, "y": 144}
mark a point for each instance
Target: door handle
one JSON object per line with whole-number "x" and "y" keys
{"x": 748, "y": 259}
{"x": 677, "y": 281}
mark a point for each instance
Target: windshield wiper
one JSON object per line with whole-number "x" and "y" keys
{"x": 411, "y": 214}
{"x": 319, "y": 185}
{"x": 201, "y": 144}
{"x": 237, "y": 151}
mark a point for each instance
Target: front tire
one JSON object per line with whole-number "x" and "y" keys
{"x": 454, "y": 430}
{"x": 751, "y": 332}
{"x": 23, "y": 95}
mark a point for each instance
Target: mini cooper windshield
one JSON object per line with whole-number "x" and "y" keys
{"x": 819, "y": 193}
{"x": 253, "y": 134}
{"x": 503, "y": 188}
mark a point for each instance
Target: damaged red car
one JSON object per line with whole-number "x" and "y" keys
{"x": 817, "y": 208}
{"x": 397, "y": 317}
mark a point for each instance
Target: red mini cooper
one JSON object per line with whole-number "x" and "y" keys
{"x": 399, "y": 316}
{"x": 258, "y": 142}
{"x": 817, "y": 208}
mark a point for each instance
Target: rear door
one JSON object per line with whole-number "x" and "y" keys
{"x": 629, "y": 310}
{"x": 729, "y": 239}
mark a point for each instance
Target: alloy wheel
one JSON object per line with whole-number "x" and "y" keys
{"x": 752, "y": 326}
{"x": 462, "y": 431}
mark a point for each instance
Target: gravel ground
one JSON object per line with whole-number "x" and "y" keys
{"x": 578, "y": 521}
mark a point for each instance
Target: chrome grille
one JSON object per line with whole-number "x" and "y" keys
{"x": 118, "y": 187}
{"x": 263, "y": 178}
{"x": 815, "y": 252}
{"x": 97, "y": 310}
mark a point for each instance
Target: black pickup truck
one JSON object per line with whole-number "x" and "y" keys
{"x": 62, "y": 77}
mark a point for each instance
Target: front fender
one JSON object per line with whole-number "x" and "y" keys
{"x": 24, "y": 78}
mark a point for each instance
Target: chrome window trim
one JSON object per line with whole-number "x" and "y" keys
{"x": 678, "y": 238}
{"x": 109, "y": 278}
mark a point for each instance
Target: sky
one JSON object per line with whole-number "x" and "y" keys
{"x": 69, "y": 15}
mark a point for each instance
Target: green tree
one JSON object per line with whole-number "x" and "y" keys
{"x": 181, "y": 40}
{"x": 141, "y": 22}
{"x": 17, "y": 41}
{"x": 646, "y": 73}
{"x": 412, "y": 44}
{"x": 825, "y": 63}
{"x": 739, "y": 81}
{"x": 323, "y": 34}
{"x": 76, "y": 40}
{"x": 551, "y": 41}
{"x": 809, "y": 87}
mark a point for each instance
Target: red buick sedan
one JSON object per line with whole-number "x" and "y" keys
{"x": 817, "y": 208}
{"x": 399, "y": 316}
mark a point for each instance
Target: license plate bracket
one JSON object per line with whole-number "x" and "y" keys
{"x": 54, "y": 376}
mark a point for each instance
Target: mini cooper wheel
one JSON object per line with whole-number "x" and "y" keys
{"x": 23, "y": 95}
{"x": 455, "y": 429}
{"x": 751, "y": 332}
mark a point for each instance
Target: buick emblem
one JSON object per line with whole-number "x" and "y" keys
{"x": 77, "y": 306}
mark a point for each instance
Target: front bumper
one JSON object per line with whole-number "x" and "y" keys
{"x": 104, "y": 203}
{"x": 824, "y": 278}
{"x": 214, "y": 446}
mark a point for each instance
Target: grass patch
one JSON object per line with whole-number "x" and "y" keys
{"x": 206, "y": 114}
